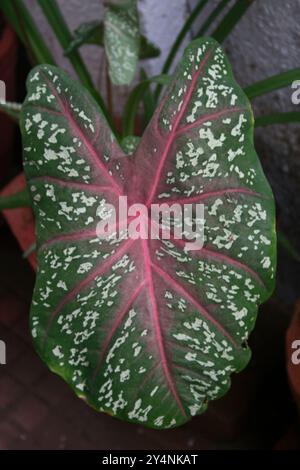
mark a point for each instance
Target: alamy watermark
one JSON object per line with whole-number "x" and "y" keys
{"x": 295, "y": 357}
{"x": 2, "y": 92}
{"x": 159, "y": 221}
{"x": 2, "y": 353}
{"x": 296, "y": 94}
{"x": 2, "y": 343}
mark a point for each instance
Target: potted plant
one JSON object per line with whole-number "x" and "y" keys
{"x": 75, "y": 159}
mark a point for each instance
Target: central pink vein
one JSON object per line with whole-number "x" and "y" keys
{"x": 176, "y": 123}
{"x": 157, "y": 327}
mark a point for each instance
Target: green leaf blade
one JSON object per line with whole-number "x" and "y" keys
{"x": 147, "y": 330}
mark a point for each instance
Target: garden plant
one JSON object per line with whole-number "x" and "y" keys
{"x": 144, "y": 329}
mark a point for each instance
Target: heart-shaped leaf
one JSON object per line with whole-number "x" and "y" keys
{"x": 144, "y": 329}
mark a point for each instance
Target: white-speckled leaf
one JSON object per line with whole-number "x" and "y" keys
{"x": 143, "y": 329}
{"x": 122, "y": 40}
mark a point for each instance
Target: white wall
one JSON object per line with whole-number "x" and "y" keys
{"x": 265, "y": 41}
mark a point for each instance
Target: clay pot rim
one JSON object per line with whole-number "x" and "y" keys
{"x": 8, "y": 41}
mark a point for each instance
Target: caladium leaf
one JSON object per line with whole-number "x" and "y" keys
{"x": 87, "y": 33}
{"x": 93, "y": 33}
{"x": 122, "y": 40}
{"x": 144, "y": 329}
{"x": 130, "y": 143}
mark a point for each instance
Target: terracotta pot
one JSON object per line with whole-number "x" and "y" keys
{"x": 8, "y": 59}
{"x": 20, "y": 220}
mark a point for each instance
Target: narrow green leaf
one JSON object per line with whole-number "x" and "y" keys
{"x": 148, "y": 50}
{"x": 87, "y": 33}
{"x": 8, "y": 8}
{"x": 13, "y": 201}
{"x": 286, "y": 244}
{"x": 277, "y": 118}
{"x": 21, "y": 20}
{"x": 272, "y": 83}
{"x": 212, "y": 17}
{"x": 11, "y": 109}
{"x": 134, "y": 100}
{"x": 122, "y": 41}
{"x": 231, "y": 19}
{"x": 178, "y": 41}
{"x": 61, "y": 30}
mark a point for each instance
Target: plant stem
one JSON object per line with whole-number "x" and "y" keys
{"x": 109, "y": 90}
{"x": 19, "y": 199}
{"x": 57, "y": 22}
{"x": 11, "y": 109}
{"x": 148, "y": 102}
{"x": 134, "y": 99}
{"x": 31, "y": 249}
{"x": 63, "y": 35}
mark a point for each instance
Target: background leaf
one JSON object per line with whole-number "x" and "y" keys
{"x": 93, "y": 33}
{"x": 122, "y": 40}
{"x": 19, "y": 17}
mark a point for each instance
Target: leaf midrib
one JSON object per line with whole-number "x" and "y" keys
{"x": 172, "y": 134}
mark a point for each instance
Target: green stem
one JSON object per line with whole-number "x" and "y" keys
{"x": 31, "y": 249}
{"x": 212, "y": 17}
{"x": 231, "y": 19}
{"x": 134, "y": 99}
{"x": 11, "y": 109}
{"x": 13, "y": 201}
{"x": 272, "y": 83}
{"x": 108, "y": 89}
{"x": 131, "y": 108}
{"x": 148, "y": 103}
{"x": 57, "y": 22}
{"x": 182, "y": 33}
{"x": 277, "y": 118}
